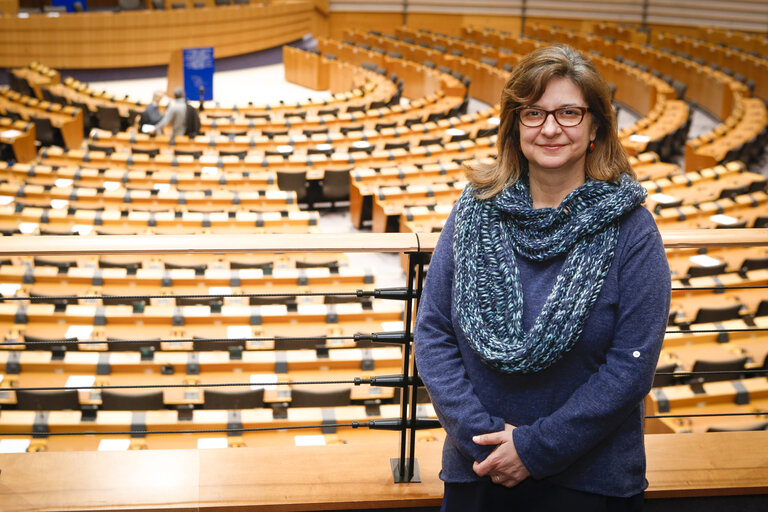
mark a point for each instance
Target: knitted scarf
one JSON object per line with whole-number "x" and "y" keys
{"x": 489, "y": 235}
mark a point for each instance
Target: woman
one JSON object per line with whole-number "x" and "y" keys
{"x": 545, "y": 306}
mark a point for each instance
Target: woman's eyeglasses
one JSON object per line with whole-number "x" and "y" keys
{"x": 533, "y": 117}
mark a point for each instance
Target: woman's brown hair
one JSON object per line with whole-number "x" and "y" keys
{"x": 527, "y": 83}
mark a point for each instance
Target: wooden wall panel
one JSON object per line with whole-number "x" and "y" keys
{"x": 147, "y": 38}
{"x": 9, "y": 6}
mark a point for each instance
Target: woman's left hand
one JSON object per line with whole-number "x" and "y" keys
{"x": 503, "y": 464}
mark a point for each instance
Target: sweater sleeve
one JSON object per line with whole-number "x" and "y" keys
{"x": 609, "y": 396}
{"x": 439, "y": 359}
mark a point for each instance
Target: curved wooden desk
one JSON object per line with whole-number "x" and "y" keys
{"x": 339, "y": 476}
{"x": 148, "y": 37}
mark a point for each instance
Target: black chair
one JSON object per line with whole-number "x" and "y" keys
{"x": 62, "y": 265}
{"x": 755, "y": 426}
{"x": 320, "y": 398}
{"x": 108, "y": 150}
{"x": 328, "y": 112}
{"x": 239, "y": 154}
{"x": 294, "y": 180}
{"x": 316, "y": 131}
{"x": 731, "y": 369}
{"x": 709, "y": 315}
{"x": 486, "y": 132}
{"x": 49, "y": 344}
{"x": 332, "y": 265}
{"x": 664, "y": 380}
{"x": 199, "y": 268}
{"x": 59, "y": 303}
{"x": 152, "y": 152}
{"x": 253, "y": 115}
{"x": 194, "y": 153}
{"x": 397, "y": 145}
{"x": 205, "y": 345}
{"x": 119, "y": 345}
{"x": 130, "y": 266}
{"x": 132, "y": 401}
{"x": 282, "y": 344}
{"x": 356, "y": 108}
{"x": 355, "y": 128}
{"x": 271, "y": 134}
{"x": 235, "y": 398}
{"x": 699, "y": 271}
{"x": 287, "y": 300}
{"x": 336, "y": 185}
{"x": 381, "y": 126}
{"x": 65, "y": 399}
{"x": 108, "y": 118}
{"x": 430, "y": 142}
{"x": 45, "y": 132}
{"x": 265, "y": 266}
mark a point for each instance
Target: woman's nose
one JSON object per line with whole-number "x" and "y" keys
{"x": 550, "y": 126}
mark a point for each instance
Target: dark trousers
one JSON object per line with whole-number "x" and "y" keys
{"x": 531, "y": 495}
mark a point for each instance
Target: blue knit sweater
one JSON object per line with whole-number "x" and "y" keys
{"x": 580, "y": 421}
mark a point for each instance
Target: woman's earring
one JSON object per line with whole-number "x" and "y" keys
{"x": 591, "y": 146}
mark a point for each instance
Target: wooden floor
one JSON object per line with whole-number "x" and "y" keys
{"x": 335, "y": 477}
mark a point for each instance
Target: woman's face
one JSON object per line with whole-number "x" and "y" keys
{"x": 552, "y": 147}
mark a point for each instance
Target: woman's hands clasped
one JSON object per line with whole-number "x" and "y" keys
{"x": 503, "y": 465}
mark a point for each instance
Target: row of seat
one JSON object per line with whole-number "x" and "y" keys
{"x": 17, "y": 140}
{"x": 67, "y": 121}
{"x": 751, "y": 65}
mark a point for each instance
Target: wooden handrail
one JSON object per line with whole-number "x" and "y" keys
{"x": 335, "y": 242}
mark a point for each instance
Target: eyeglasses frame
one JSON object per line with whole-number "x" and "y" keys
{"x": 583, "y": 111}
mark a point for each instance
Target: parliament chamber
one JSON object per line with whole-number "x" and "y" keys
{"x": 180, "y": 332}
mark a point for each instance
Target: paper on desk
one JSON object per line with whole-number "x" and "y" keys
{"x": 239, "y": 331}
{"x": 81, "y": 332}
{"x": 82, "y": 229}
{"x": 212, "y": 442}
{"x": 14, "y": 445}
{"x": 114, "y": 445}
{"x": 83, "y": 382}
{"x": 63, "y": 182}
{"x": 5, "y": 200}
{"x": 662, "y": 198}
{"x": 147, "y": 128}
{"x": 9, "y": 134}
{"x": 703, "y": 260}
{"x": 636, "y": 137}
{"x": 726, "y": 220}
{"x": 263, "y": 380}
{"x": 9, "y": 289}
{"x": 392, "y": 326}
{"x": 27, "y": 227}
{"x": 310, "y": 440}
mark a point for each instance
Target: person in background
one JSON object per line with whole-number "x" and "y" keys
{"x": 152, "y": 114}
{"x": 175, "y": 115}
{"x": 545, "y": 306}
